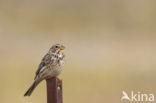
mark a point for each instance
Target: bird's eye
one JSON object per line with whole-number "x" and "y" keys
{"x": 56, "y": 46}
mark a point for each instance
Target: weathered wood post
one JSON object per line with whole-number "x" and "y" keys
{"x": 54, "y": 91}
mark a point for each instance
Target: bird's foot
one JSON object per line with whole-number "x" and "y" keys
{"x": 59, "y": 82}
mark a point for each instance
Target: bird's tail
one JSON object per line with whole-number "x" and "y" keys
{"x": 32, "y": 87}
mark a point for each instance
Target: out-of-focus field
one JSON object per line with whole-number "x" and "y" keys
{"x": 110, "y": 47}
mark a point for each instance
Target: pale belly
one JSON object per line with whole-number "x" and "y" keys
{"x": 51, "y": 72}
{"x": 55, "y": 71}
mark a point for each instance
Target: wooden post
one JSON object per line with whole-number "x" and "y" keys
{"x": 60, "y": 98}
{"x": 54, "y": 91}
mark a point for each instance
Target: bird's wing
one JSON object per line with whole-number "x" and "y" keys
{"x": 45, "y": 61}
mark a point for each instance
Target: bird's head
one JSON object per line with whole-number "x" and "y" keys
{"x": 57, "y": 48}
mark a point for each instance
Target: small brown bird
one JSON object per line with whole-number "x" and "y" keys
{"x": 50, "y": 66}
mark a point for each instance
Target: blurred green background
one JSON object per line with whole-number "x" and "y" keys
{"x": 110, "y": 47}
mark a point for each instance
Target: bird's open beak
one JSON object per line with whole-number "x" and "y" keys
{"x": 62, "y": 47}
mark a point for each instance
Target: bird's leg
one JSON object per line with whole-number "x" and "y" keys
{"x": 58, "y": 82}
